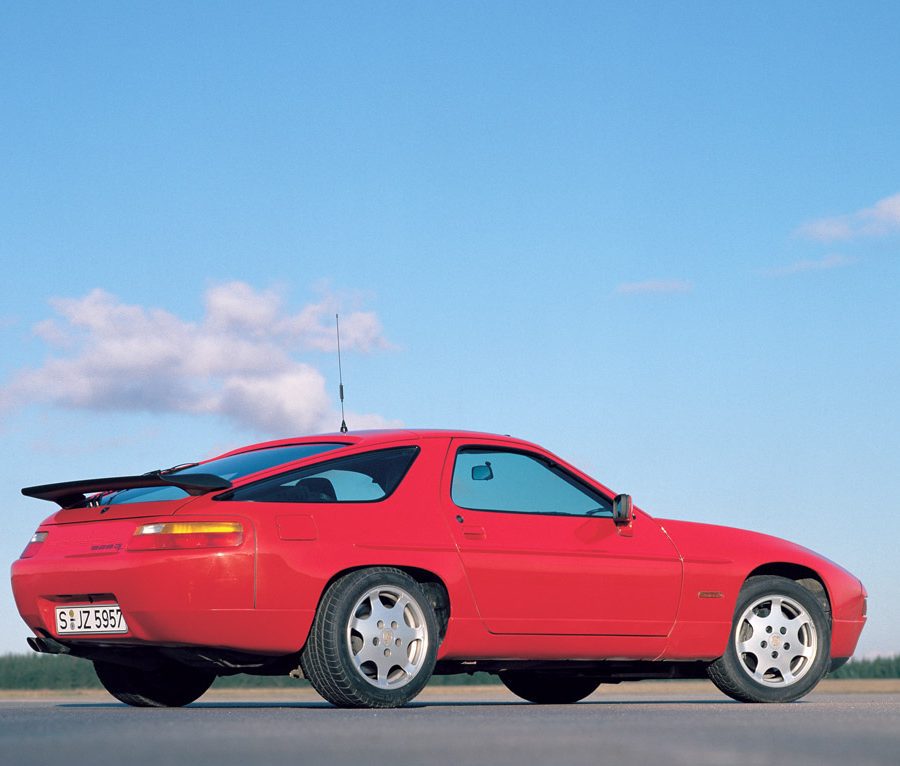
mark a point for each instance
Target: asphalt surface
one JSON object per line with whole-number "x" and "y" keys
{"x": 458, "y": 727}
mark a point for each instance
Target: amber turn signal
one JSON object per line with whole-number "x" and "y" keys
{"x": 182, "y": 535}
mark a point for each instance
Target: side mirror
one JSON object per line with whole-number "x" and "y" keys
{"x": 482, "y": 472}
{"x": 622, "y": 510}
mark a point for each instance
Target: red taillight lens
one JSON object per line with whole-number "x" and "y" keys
{"x": 185, "y": 535}
{"x": 34, "y": 544}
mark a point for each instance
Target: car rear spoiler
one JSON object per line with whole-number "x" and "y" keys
{"x": 71, "y": 494}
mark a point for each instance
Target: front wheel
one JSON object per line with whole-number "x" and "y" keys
{"x": 171, "y": 685}
{"x": 548, "y": 688}
{"x": 373, "y": 642}
{"x": 780, "y": 643}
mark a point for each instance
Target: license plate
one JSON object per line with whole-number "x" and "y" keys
{"x": 90, "y": 618}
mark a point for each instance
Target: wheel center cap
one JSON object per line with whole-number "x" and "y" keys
{"x": 776, "y": 642}
{"x": 387, "y": 637}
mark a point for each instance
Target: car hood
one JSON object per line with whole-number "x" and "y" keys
{"x": 692, "y": 538}
{"x": 713, "y": 542}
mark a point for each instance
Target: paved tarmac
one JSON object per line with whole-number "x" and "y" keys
{"x": 690, "y": 724}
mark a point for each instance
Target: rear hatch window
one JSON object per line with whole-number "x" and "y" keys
{"x": 157, "y": 500}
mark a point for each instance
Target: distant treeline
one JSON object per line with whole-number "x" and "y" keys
{"x": 879, "y": 667}
{"x": 36, "y": 671}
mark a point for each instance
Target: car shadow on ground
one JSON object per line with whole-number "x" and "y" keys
{"x": 277, "y": 705}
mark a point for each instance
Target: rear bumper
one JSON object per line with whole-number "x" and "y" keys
{"x": 172, "y": 598}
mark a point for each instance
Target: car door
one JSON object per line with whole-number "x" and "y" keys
{"x": 543, "y": 554}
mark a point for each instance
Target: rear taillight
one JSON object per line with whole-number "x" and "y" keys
{"x": 182, "y": 535}
{"x": 34, "y": 544}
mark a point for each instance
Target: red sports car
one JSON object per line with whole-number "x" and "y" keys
{"x": 367, "y": 562}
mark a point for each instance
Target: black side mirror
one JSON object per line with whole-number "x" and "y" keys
{"x": 622, "y": 510}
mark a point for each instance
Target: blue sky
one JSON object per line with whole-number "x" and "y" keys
{"x": 664, "y": 241}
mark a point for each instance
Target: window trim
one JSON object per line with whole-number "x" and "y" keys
{"x": 552, "y": 465}
{"x": 235, "y": 453}
{"x": 228, "y": 496}
{"x": 202, "y": 464}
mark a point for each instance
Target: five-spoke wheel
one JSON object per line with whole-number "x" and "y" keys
{"x": 776, "y": 641}
{"x": 387, "y": 636}
{"x": 373, "y": 641}
{"x": 779, "y": 645}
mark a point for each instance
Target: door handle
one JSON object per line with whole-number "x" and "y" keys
{"x": 474, "y": 533}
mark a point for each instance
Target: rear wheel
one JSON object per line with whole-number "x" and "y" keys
{"x": 373, "y": 641}
{"x": 780, "y": 643}
{"x": 548, "y": 688}
{"x": 171, "y": 685}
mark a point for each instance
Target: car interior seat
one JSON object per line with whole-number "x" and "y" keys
{"x": 316, "y": 489}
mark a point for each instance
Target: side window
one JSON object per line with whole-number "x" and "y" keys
{"x": 513, "y": 482}
{"x": 364, "y": 478}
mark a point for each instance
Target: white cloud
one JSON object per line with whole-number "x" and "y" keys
{"x": 295, "y": 396}
{"x": 239, "y": 361}
{"x": 833, "y": 261}
{"x": 882, "y": 219}
{"x": 656, "y": 286}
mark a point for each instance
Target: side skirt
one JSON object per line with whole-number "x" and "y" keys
{"x": 607, "y": 671}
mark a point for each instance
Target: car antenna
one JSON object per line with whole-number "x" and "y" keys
{"x": 337, "y": 327}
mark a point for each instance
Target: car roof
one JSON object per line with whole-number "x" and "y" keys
{"x": 383, "y": 435}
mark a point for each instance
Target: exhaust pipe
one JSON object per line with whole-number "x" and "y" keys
{"x": 47, "y": 646}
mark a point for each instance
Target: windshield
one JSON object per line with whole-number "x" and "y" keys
{"x": 231, "y": 468}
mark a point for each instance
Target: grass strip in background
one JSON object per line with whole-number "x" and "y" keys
{"x": 878, "y": 667}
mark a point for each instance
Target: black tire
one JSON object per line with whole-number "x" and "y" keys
{"x": 373, "y": 641}
{"x": 548, "y": 688}
{"x": 779, "y": 646}
{"x": 171, "y": 685}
